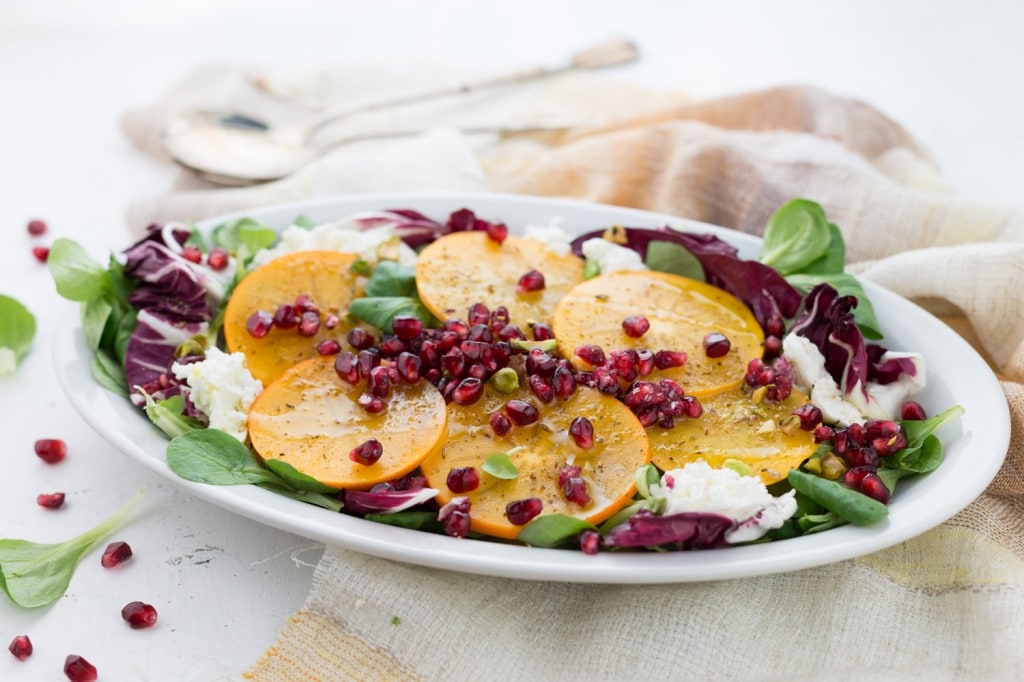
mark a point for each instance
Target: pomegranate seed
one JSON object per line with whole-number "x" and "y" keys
{"x": 498, "y": 232}
{"x": 429, "y": 352}
{"x": 522, "y": 512}
{"x": 458, "y": 327}
{"x": 360, "y": 339}
{"x": 575, "y": 491}
{"x": 540, "y": 362}
{"x": 139, "y": 615}
{"x": 476, "y": 350}
{"x": 563, "y": 382}
{"x": 858, "y": 457}
{"x": 478, "y": 314}
{"x": 347, "y": 367}
{"x": 332, "y": 321}
{"x": 824, "y": 433}
{"x": 309, "y": 323}
{"x": 500, "y": 317}
{"x": 775, "y": 326}
{"x": 591, "y": 354}
{"x": 468, "y": 391}
{"x": 454, "y": 516}
{"x": 544, "y": 391}
{"x": 304, "y": 304}
{"x": 691, "y": 407}
{"x": 50, "y": 500}
{"x": 21, "y": 647}
{"x": 42, "y": 253}
{"x": 853, "y": 477}
{"x": 542, "y": 332}
{"x": 510, "y": 332}
{"x": 328, "y": 347}
{"x": 644, "y": 361}
{"x": 378, "y": 382}
{"x": 51, "y": 450}
{"x": 408, "y": 366}
{"x": 500, "y": 423}
{"x": 521, "y": 412}
{"x": 481, "y": 333}
{"x": 872, "y": 486}
{"x": 192, "y": 253}
{"x": 391, "y": 346}
{"x": 367, "y": 359}
{"x": 582, "y": 432}
{"x": 912, "y": 411}
{"x": 78, "y": 669}
{"x": 809, "y": 415}
{"x": 531, "y": 281}
{"x": 606, "y": 381}
{"x": 623, "y": 362}
{"x": 371, "y": 403}
{"x": 567, "y": 472}
{"x": 36, "y": 227}
{"x": 716, "y": 345}
{"x": 115, "y": 554}
{"x": 367, "y": 453}
{"x": 635, "y": 326}
{"x": 285, "y": 317}
{"x": 590, "y": 542}
{"x": 772, "y": 346}
{"x": 407, "y": 327}
{"x": 259, "y": 324}
{"x": 454, "y": 363}
{"x": 217, "y": 259}
{"x": 665, "y": 359}
{"x": 463, "y": 479}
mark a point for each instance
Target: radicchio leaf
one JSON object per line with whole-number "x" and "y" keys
{"x": 151, "y": 352}
{"x": 385, "y": 501}
{"x": 416, "y": 229}
{"x": 889, "y": 370}
{"x": 828, "y": 323}
{"x": 687, "y": 530}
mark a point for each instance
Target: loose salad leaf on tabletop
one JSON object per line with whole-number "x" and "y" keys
{"x": 17, "y": 331}
{"x": 668, "y": 395}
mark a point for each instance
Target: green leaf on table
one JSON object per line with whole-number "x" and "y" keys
{"x": 215, "y": 457}
{"x": 78, "y": 277}
{"x": 500, "y": 466}
{"x": 34, "y": 574}
{"x": 391, "y": 278}
{"x": 380, "y": 311}
{"x": 796, "y": 235}
{"x": 17, "y": 331}
{"x": 675, "y": 259}
{"x": 552, "y": 530}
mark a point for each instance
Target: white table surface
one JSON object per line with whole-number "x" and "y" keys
{"x": 224, "y": 585}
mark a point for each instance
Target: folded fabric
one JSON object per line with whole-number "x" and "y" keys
{"x": 947, "y": 605}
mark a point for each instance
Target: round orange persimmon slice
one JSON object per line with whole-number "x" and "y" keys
{"x": 325, "y": 276}
{"x": 464, "y": 268}
{"x": 310, "y": 419}
{"x": 681, "y": 312}
{"x": 539, "y": 451}
{"x": 735, "y": 426}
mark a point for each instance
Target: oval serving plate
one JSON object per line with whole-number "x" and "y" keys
{"x": 975, "y": 444}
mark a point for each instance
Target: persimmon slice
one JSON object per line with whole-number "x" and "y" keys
{"x": 734, "y": 426}
{"x": 309, "y": 418}
{"x": 681, "y": 312}
{"x": 539, "y": 451}
{"x": 325, "y": 276}
{"x": 464, "y": 268}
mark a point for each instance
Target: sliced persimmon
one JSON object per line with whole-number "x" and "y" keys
{"x": 681, "y": 312}
{"x": 325, "y": 276}
{"x": 463, "y": 268}
{"x": 736, "y": 426}
{"x": 310, "y": 418}
{"x": 539, "y": 451}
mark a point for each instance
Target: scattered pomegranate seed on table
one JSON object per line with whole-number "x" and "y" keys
{"x": 36, "y": 227}
{"x": 42, "y": 253}
{"x": 116, "y": 553}
{"x": 51, "y": 450}
{"x": 139, "y": 615}
{"x": 50, "y": 500}
{"x": 21, "y": 647}
{"x": 77, "y": 669}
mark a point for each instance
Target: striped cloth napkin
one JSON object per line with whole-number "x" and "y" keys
{"x": 948, "y": 604}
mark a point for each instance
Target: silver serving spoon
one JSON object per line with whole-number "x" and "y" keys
{"x": 230, "y": 148}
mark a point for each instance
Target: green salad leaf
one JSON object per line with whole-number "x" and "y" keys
{"x": 17, "y": 331}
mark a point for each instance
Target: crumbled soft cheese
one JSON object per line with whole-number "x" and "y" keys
{"x": 551, "y": 235}
{"x": 611, "y": 257}
{"x": 883, "y": 401}
{"x": 343, "y": 235}
{"x": 222, "y": 388}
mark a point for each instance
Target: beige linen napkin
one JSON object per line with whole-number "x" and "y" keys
{"x": 947, "y": 605}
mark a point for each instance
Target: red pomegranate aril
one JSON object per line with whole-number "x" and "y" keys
{"x": 691, "y": 407}
{"x": 458, "y": 327}
{"x": 331, "y": 321}
{"x": 36, "y": 227}
{"x": 635, "y": 326}
{"x": 542, "y": 332}
{"x": 463, "y": 479}
{"x": 347, "y": 367}
{"x": 590, "y": 542}
{"x": 912, "y": 411}
{"x": 624, "y": 363}
{"x": 873, "y": 486}
{"x": 367, "y": 359}
{"x": 378, "y": 381}
{"x": 360, "y": 339}
{"x": 408, "y": 365}
{"x": 862, "y": 456}
{"x": 217, "y": 258}
{"x": 407, "y": 327}
{"x": 540, "y": 362}
{"x": 498, "y": 232}
{"x": 259, "y": 324}
{"x": 371, "y": 403}
{"x": 540, "y": 387}
{"x": 285, "y": 316}
{"x": 139, "y": 615}
{"x": 41, "y": 253}
{"x": 824, "y": 433}
{"x": 21, "y": 647}
{"x": 116, "y": 554}
{"x": 591, "y": 354}
{"x": 716, "y": 345}
{"x": 454, "y": 516}
{"x": 468, "y": 391}
{"x": 51, "y": 450}
{"x": 328, "y": 347}
{"x": 566, "y": 472}
{"x": 480, "y": 333}
{"x": 775, "y": 326}
{"x": 666, "y": 359}
{"x": 853, "y": 477}
{"x": 309, "y": 323}
{"x": 606, "y": 381}
{"x": 500, "y": 423}
{"x": 500, "y": 317}
{"x": 521, "y": 412}
{"x": 304, "y": 304}
{"x": 563, "y": 382}
{"x": 50, "y": 500}
{"x": 809, "y": 415}
{"x": 478, "y": 314}
{"x": 510, "y": 332}
{"x": 475, "y": 350}
{"x": 772, "y": 346}
{"x": 192, "y": 253}
{"x": 367, "y": 453}
{"x": 582, "y": 431}
{"x": 531, "y": 281}
{"x": 575, "y": 491}
{"x": 454, "y": 363}
{"x": 644, "y": 361}
{"x": 77, "y": 669}
{"x": 521, "y": 512}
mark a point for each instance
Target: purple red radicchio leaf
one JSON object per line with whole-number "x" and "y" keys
{"x": 687, "y": 530}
